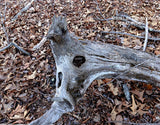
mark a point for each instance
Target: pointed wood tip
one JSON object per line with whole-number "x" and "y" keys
{"x": 57, "y": 29}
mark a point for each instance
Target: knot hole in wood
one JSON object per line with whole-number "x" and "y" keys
{"x": 78, "y": 61}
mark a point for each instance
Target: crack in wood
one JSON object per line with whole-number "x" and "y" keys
{"x": 60, "y": 76}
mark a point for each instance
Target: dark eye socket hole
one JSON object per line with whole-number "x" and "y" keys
{"x": 63, "y": 31}
{"x": 82, "y": 86}
{"x": 60, "y": 75}
{"x": 78, "y": 61}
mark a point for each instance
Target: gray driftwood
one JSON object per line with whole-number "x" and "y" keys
{"x": 80, "y": 62}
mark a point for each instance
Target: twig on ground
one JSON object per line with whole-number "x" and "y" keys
{"x": 40, "y": 44}
{"x": 7, "y": 37}
{"x": 22, "y": 10}
{"x": 104, "y": 19}
{"x": 16, "y": 46}
{"x": 146, "y": 36}
{"x": 20, "y": 49}
{"x": 75, "y": 116}
{"x": 128, "y": 20}
{"x": 138, "y": 24}
{"x": 100, "y": 10}
{"x": 131, "y": 19}
{"x": 128, "y": 34}
{"x": 6, "y": 47}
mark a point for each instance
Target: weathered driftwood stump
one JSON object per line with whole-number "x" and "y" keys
{"x": 80, "y": 62}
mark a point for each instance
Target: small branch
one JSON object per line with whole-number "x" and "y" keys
{"x": 128, "y": 20}
{"x": 132, "y": 20}
{"x": 139, "y": 24}
{"x": 22, "y": 10}
{"x": 7, "y": 38}
{"x": 15, "y": 45}
{"x": 20, "y": 49}
{"x": 146, "y": 36}
{"x": 128, "y": 34}
{"x": 6, "y": 47}
{"x": 73, "y": 115}
{"x": 100, "y": 10}
{"x": 40, "y": 44}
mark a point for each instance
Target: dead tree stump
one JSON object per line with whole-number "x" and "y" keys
{"x": 80, "y": 62}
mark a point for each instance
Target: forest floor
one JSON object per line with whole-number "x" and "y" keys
{"x": 27, "y": 83}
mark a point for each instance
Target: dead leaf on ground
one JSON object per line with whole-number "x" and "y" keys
{"x": 141, "y": 109}
{"x": 139, "y": 94}
{"x": 100, "y": 82}
{"x": 32, "y": 76}
{"x": 113, "y": 114}
{"x": 113, "y": 89}
{"x": 120, "y": 119}
{"x": 134, "y": 106}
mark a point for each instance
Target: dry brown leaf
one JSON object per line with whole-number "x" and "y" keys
{"x": 9, "y": 86}
{"x": 7, "y": 107}
{"x": 139, "y": 94}
{"x": 157, "y": 52}
{"x": 119, "y": 109}
{"x": 119, "y": 118}
{"x": 113, "y": 114}
{"x": 99, "y": 102}
{"x": 89, "y": 19}
{"x": 19, "y": 109}
{"x": 107, "y": 80}
{"x": 17, "y": 116}
{"x": 113, "y": 89}
{"x": 100, "y": 82}
{"x": 26, "y": 65}
{"x": 126, "y": 42}
{"x": 32, "y": 76}
{"x": 28, "y": 117}
{"x": 117, "y": 102}
{"x": 138, "y": 43}
{"x": 140, "y": 110}
{"x": 134, "y": 106}
{"x": 18, "y": 122}
{"x": 2, "y": 78}
{"x": 26, "y": 113}
{"x": 154, "y": 22}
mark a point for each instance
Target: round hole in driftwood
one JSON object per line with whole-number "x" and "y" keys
{"x": 78, "y": 61}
